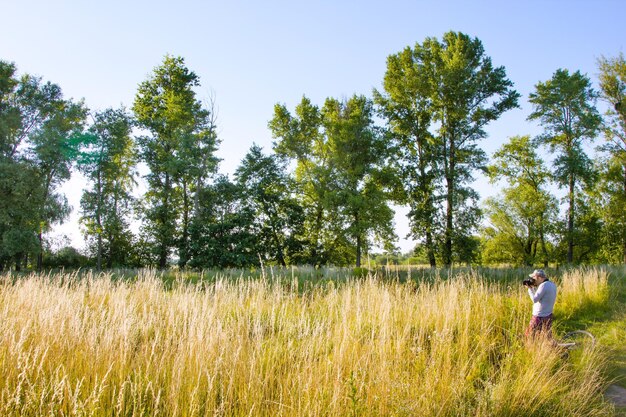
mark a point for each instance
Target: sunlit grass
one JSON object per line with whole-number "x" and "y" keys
{"x": 269, "y": 347}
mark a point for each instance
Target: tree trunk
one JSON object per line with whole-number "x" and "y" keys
{"x": 164, "y": 239}
{"x": 99, "y": 261}
{"x": 570, "y": 222}
{"x": 99, "y": 223}
{"x": 450, "y": 162}
{"x": 184, "y": 250}
{"x": 447, "y": 250}
{"x": 279, "y": 251}
{"x": 275, "y": 232}
{"x": 430, "y": 250}
{"x": 112, "y": 250}
{"x": 544, "y": 250}
{"x": 40, "y": 254}
{"x": 528, "y": 245}
{"x": 425, "y": 191}
{"x": 624, "y": 232}
{"x": 279, "y": 247}
{"x": 318, "y": 226}
{"x": 358, "y": 251}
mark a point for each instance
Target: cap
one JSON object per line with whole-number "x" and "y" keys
{"x": 538, "y": 273}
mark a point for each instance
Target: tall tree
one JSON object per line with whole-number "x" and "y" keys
{"x": 340, "y": 173}
{"x": 278, "y": 217}
{"x": 468, "y": 94}
{"x": 521, "y": 218}
{"x": 198, "y": 163}
{"x": 453, "y": 84}
{"x": 178, "y": 151}
{"x": 565, "y": 107}
{"x": 40, "y": 136}
{"x": 109, "y": 164}
{"x": 613, "y": 91}
{"x": 358, "y": 153}
{"x": 407, "y": 105}
{"x": 300, "y": 137}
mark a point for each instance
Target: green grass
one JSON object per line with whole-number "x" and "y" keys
{"x": 608, "y": 324}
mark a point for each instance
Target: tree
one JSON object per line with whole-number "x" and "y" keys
{"x": 453, "y": 85}
{"x": 40, "y": 137}
{"x": 613, "y": 180}
{"x": 565, "y": 107}
{"x": 340, "y": 174}
{"x": 19, "y": 188}
{"x": 222, "y": 232}
{"x": 521, "y": 218}
{"x": 468, "y": 93}
{"x": 198, "y": 163}
{"x": 278, "y": 218}
{"x": 300, "y": 138}
{"x": 358, "y": 153}
{"x": 407, "y": 106}
{"x": 609, "y": 200}
{"x": 178, "y": 151}
{"x": 109, "y": 164}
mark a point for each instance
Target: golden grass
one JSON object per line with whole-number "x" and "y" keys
{"x": 100, "y": 347}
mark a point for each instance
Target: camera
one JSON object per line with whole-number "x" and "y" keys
{"x": 529, "y": 282}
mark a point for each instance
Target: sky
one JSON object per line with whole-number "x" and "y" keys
{"x": 252, "y": 55}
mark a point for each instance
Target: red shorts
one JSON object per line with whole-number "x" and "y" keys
{"x": 539, "y": 325}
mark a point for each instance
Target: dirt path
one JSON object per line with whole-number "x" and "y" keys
{"x": 617, "y": 395}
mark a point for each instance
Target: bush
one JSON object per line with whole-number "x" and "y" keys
{"x": 67, "y": 257}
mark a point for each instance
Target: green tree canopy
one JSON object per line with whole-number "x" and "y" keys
{"x": 565, "y": 107}
{"x": 270, "y": 195}
{"x": 521, "y": 218}
{"x": 178, "y": 150}
{"x": 438, "y": 99}
{"x": 108, "y": 162}
{"x": 612, "y": 190}
{"x": 40, "y": 138}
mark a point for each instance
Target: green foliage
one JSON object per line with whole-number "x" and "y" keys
{"x": 521, "y": 218}
{"x": 340, "y": 176}
{"x": 178, "y": 151}
{"x": 565, "y": 107}
{"x": 278, "y": 218}
{"x": 439, "y": 97}
{"x": 612, "y": 186}
{"x": 407, "y": 106}
{"x": 609, "y": 201}
{"x": 40, "y": 138}
{"x": 66, "y": 258}
{"x": 300, "y": 138}
{"x": 109, "y": 163}
{"x": 358, "y": 153}
{"x": 468, "y": 94}
{"x": 222, "y": 233}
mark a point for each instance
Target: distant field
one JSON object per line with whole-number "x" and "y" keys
{"x": 297, "y": 342}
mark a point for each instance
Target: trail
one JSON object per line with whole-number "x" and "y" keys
{"x": 617, "y": 395}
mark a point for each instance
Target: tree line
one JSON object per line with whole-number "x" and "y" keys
{"x": 322, "y": 195}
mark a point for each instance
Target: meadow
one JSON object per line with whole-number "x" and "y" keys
{"x": 303, "y": 342}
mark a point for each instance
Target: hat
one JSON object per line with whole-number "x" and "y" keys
{"x": 538, "y": 273}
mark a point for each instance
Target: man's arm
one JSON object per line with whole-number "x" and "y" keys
{"x": 536, "y": 295}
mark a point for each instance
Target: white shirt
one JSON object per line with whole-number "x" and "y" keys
{"x": 543, "y": 298}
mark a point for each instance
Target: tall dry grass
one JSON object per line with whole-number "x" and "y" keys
{"x": 96, "y": 346}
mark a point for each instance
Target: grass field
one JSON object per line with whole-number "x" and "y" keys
{"x": 301, "y": 342}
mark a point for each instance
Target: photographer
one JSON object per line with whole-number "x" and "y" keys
{"x": 543, "y": 293}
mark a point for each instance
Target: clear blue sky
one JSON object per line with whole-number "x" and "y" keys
{"x": 252, "y": 55}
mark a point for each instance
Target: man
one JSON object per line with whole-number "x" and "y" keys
{"x": 543, "y": 293}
